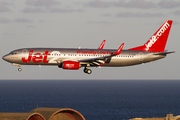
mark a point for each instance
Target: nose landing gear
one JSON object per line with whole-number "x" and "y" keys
{"x": 19, "y": 69}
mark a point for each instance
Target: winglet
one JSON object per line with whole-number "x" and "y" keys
{"x": 102, "y": 44}
{"x": 119, "y": 49}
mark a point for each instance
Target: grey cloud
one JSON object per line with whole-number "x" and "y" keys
{"x": 7, "y": 33}
{"x": 40, "y": 3}
{"x": 22, "y": 20}
{"x": 30, "y": 26}
{"x": 59, "y": 10}
{"x": 131, "y": 4}
{"x": 51, "y": 10}
{"x": 4, "y": 3}
{"x": 128, "y": 14}
{"x": 175, "y": 22}
{"x": 99, "y": 4}
{"x": 41, "y": 21}
{"x": 99, "y": 22}
{"x": 137, "y": 4}
{"x": 169, "y": 4}
{"x": 4, "y": 20}
{"x": 4, "y": 9}
{"x": 33, "y": 10}
{"x": 177, "y": 12}
{"x": 106, "y": 15}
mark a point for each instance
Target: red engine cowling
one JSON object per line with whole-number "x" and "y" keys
{"x": 70, "y": 65}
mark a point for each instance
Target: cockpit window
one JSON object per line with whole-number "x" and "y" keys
{"x": 12, "y": 53}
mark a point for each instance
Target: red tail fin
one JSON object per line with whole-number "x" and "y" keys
{"x": 158, "y": 41}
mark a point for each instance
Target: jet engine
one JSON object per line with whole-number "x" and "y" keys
{"x": 74, "y": 65}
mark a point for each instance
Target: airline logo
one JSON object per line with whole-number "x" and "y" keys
{"x": 37, "y": 57}
{"x": 154, "y": 38}
{"x": 69, "y": 66}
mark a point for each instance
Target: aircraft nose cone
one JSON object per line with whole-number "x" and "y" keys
{"x": 5, "y": 57}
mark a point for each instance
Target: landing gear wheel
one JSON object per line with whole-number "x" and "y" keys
{"x": 89, "y": 71}
{"x": 19, "y": 69}
{"x": 85, "y": 70}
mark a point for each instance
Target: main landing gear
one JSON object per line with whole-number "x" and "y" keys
{"x": 87, "y": 70}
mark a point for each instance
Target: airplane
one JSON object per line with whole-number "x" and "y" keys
{"x": 73, "y": 59}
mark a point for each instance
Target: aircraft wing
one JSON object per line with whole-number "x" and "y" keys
{"x": 98, "y": 61}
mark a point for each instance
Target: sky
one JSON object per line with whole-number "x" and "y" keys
{"x": 85, "y": 24}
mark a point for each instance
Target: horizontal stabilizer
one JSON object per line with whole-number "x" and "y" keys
{"x": 164, "y": 53}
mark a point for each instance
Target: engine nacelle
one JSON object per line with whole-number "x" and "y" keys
{"x": 70, "y": 65}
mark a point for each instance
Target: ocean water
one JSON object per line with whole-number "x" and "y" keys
{"x": 94, "y": 99}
